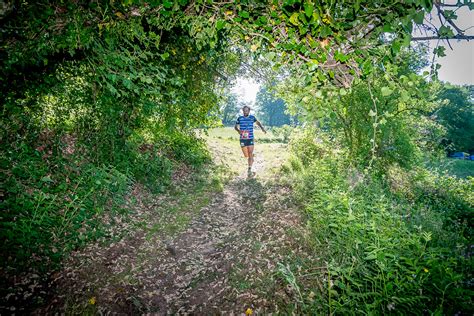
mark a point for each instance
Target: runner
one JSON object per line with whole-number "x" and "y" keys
{"x": 244, "y": 126}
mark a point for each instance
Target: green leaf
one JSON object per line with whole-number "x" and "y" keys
{"x": 270, "y": 56}
{"x": 440, "y": 51}
{"x": 112, "y": 89}
{"x": 244, "y": 14}
{"x": 325, "y": 31}
{"x": 387, "y": 28}
{"x": 127, "y": 83}
{"x": 418, "y": 17}
{"x": 396, "y": 45}
{"x": 47, "y": 179}
{"x": 406, "y": 40}
{"x": 340, "y": 57}
{"x": 308, "y": 10}
{"x": 404, "y": 96}
{"x": 294, "y": 19}
{"x": 445, "y": 31}
{"x": 386, "y": 91}
{"x": 167, "y": 4}
{"x": 371, "y": 256}
{"x": 220, "y": 24}
{"x": 450, "y": 15}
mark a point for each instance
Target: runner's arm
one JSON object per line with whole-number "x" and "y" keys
{"x": 237, "y": 128}
{"x": 260, "y": 125}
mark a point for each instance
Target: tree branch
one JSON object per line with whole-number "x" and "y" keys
{"x": 451, "y": 5}
{"x": 441, "y": 13}
{"x": 437, "y": 37}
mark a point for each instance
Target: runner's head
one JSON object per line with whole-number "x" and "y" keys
{"x": 246, "y": 110}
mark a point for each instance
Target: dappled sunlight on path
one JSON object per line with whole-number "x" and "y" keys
{"x": 224, "y": 261}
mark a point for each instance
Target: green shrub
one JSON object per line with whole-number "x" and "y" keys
{"x": 388, "y": 246}
{"x": 57, "y": 191}
{"x": 309, "y": 144}
{"x": 187, "y": 148}
{"x": 284, "y": 132}
{"x": 52, "y": 206}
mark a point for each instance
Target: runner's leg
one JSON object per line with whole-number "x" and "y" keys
{"x": 250, "y": 156}
{"x": 245, "y": 151}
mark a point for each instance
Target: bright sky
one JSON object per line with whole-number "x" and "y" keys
{"x": 247, "y": 90}
{"x": 457, "y": 66}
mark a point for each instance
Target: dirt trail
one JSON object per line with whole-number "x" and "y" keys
{"x": 221, "y": 263}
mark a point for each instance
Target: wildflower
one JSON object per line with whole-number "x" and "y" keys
{"x": 92, "y": 300}
{"x": 426, "y": 270}
{"x": 249, "y": 311}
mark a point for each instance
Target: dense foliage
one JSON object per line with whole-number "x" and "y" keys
{"x": 94, "y": 102}
{"x": 457, "y": 115}
{"x": 397, "y": 244}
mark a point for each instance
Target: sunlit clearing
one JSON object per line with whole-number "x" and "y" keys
{"x": 246, "y": 89}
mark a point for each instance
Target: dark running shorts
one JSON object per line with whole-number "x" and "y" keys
{"x": 246, "y": 142}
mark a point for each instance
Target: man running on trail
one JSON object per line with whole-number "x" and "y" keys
{"x": 244, "y": 126}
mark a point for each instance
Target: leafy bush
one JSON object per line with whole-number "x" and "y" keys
{"x": 383, "y": 119}
{"x": 52, "y": 205}
{"x": 284, "y": 132}
{"x": 389, "y": 247}
{"x": 308, "y": 144}
{"x": 55, "y": 194}
{"x": 187, "y": 148}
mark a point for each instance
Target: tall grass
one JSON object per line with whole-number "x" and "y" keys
{"x": 54, "y": 200}
{"x": 456, "y": 167}
{"x": 397, "y": 243}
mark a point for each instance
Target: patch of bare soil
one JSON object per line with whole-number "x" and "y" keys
{"x": 238, "y": 238}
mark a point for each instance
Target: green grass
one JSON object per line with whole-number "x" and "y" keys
{"x": 230, "y": 134}
{"x": 455, "y": 167}
{"x": 270, "y": 152}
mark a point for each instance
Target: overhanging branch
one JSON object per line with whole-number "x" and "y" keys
{"x": 435, "y": 37}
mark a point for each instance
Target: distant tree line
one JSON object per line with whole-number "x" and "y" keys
{"x": 457, "y": 116}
